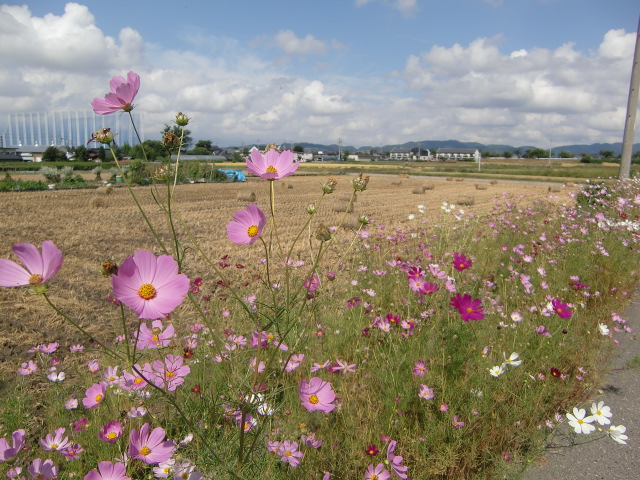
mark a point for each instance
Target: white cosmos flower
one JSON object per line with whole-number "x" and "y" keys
{"x": 604, "y": 330}
{"x": 497, "y": 370}
{"x": 617, "y": 433}
{"x": 411, "y": 216}
{"x": 601, "y": 413}
{"x": 579, "y": 422}
{"x": 513, "y": 359}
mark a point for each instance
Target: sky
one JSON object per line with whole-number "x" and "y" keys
{"x": 368, "y": 72}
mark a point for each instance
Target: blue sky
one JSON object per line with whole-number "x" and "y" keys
{"x": 371, "y": 72}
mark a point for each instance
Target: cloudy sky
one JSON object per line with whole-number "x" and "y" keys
{"x": 372, "y": 72}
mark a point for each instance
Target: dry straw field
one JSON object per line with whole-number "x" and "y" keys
{"x": 90, "y": 226}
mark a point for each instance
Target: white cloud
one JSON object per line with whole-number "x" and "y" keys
{"x": 405, "y": 7}
{"x": 292, "y": 45}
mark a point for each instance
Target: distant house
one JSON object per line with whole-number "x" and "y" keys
{"x": 400, "y": 154}
{"x": 458, "y": 153}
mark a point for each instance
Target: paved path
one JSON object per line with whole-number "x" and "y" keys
{"x": 606, "y": 459}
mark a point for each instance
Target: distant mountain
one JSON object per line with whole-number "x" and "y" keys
{"x": 592, "y": 149}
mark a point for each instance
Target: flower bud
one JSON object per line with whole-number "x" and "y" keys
{"x": 329, "y": 186}
{"x": 311, "y": 209}
{"x": 322, "y": 233}
{"x": 182, "y": 120}
{"x": 271, "y": 146}
{"x": 102, "y": 136}
{"x": 363, "y": 220}
{"x": 360, "y": 183}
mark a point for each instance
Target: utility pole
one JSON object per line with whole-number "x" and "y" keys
{"x": 632, "y": 110}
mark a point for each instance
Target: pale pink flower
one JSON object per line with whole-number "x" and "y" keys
{"x": 150, "y": 285}
{"x": 150, "y": 447}
{"x": 94, "y": 395}
{"x": 395, "y": 461}
{"x": 55, "y": 442}
{"x": 8, "y": 452}
{"x": 316, "y": 394}
{"x": 108, "y": 471}
{"x": 289, "y": 453}
{"x": 121, "y": 96}
{"x": 27, "y": 368}
{"x": 43, "y": 469}
{"x": 273, "y": 165}
{"x": 247, "y": 225}
{"x": 155, "y": 337}
{"x": 40, "y": 267}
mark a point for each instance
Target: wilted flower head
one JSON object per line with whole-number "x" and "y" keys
{"x": 40, "y": 267}
{"x": 329, "y": 186}
{"x": 322, "y": 233}
{"x": 103, "y": 135}
{"x": 121, "y": 96}
{"x": 360, "y": 183}
{"x": 171, "y": 141}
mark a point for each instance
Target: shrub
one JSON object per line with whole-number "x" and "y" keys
{"x": 52, "y": 174}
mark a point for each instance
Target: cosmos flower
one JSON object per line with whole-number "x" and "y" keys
{"x": 376, "y": 473}
{"x": 42, "y": 469}
{"x": 111, "y": 432}
{"x": 461, "y": 262}
{"x": 601, "y": 413}
{"x": 316, "y": 394}
{"x": 273, "y": 165}
{"x": 617, "y": 434}
{"x": 56, "y": 441}
{"x": 150, "y": 285}
{"x": 8, "y": 452}
{"x": 121, "y": 96}
{"x": 150, "y": 447}
{"x": 108, "y": 471}
{"x": 155, "y": 337}
{"x": 579, "y": 422}
{"x": 94, "y": 395}
{"x": 497, "y": 370}
{"x": 247, "y": 225}
{"x": 289, "y": 453}
{"x": 395, "y": 461}
{"x": 40, "y": 267}
{"x": 561, "y": 308}
{"x": 425, "y": 392}
{"x": 469, "y": 308}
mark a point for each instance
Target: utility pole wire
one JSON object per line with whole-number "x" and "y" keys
{"x": 632, "y": 110}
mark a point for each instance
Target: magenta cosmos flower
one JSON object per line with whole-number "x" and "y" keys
{"x": 150, "y": 286}
{"x": 120, "y": 97}
{"x": 316, "y": 394}
{"x": 561, "y": 308}
{"x": 150, "y": 447}
{"x": 108, "y": 471}
{"x": 111, "y": 432}
{"x": 469, "y": 308}
{"x": 273, "y": 165}
{"x": 247, "y": 225}
{"x": 461, "y": 262}
{"x": 395, "y": 461}
{"x": 40, "y": 267}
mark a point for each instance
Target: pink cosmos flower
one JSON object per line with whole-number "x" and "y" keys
{"x": 247, "y": 225}
{"x": 428, "y": 288}
{"x": 150, "y": 447}
{"x": 151, "y": 286}
{"x": 120, "y": 97}
{"x": 133, "y": 381}
{"x": 94, "y": 395}
{"x": 425, "y": 392}
{"x": 561, "y": 308}
{"x": 111, "y": 432}
{"x": 273, "y": 165}
{"x": 168, "y": 374}
{"x": 289, "y": 453}
{"x": 55, "y": 442}
{"x": 156, "y": 337}
{"x": 461, "y": 262}
{"x": 420, "y": 368}
{"x": 469, "y": 308}
{"x": 108, "y": 471}
{"x": 8, "y": 452}
{"x": 39, "y": 267}
{"x": 395, "y": 461}
{"x": 316, "y": 394}
{"x": 27, "y": 368}
{"x": 376, "y": 473}
{"x": 42, "y": 469}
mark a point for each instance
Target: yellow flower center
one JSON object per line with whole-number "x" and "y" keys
{"x": 111, "y": 435}
{"x": 470, "y": 310}
{"x": 155, "y": 339}
{"x": 137, "y": 381}
{"x": 461, "y": 265}
{"x": 144, "y": 451}
{"x": 580, "y": 421}
{"x": 147, "y": 291}
{"x": 288, "y": 454}
{"x": 314, "y": 399}
{"x": 35, "y": 279}
{"x": 272, "y": 169}
{"x": 252, "y": 231}
{"x": 54, "y": 446}
{"x": 98, "y": 397}
{"x": 170, "y": 374}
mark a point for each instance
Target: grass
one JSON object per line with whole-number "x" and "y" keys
{"x": 363, "y": 315}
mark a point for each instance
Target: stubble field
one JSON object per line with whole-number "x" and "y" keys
{"x": 90, "y": 226}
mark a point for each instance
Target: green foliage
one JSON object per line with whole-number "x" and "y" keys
{"x": 102, "y": 153}
{"x": 71, "y": 181}
{"x": 207, "y": 144}
{"x": 10, "y": 185}
{"x": 199, "y": 151}
{"x": 53, "y": 154}
{"x": 81, "y": 153}
{"x": 154, "y": 150}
